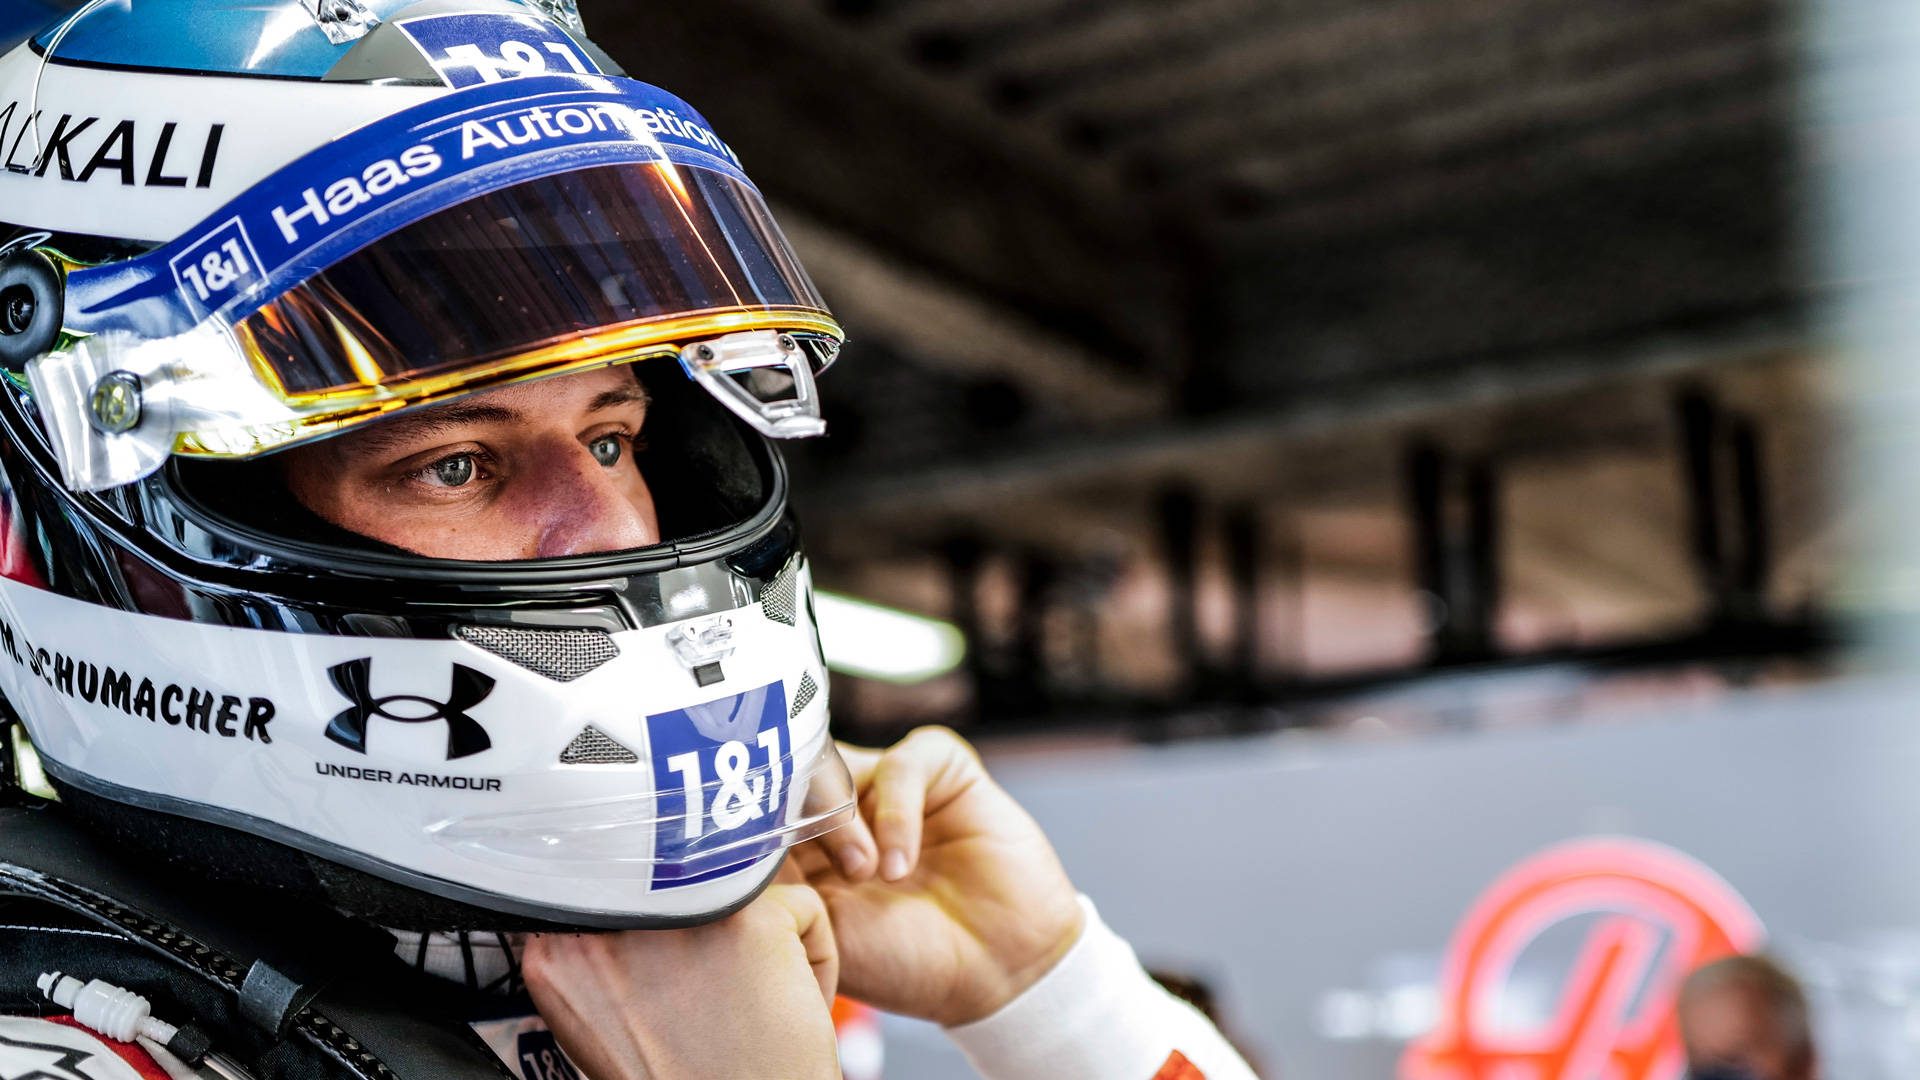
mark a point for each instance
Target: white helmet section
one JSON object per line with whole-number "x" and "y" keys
{"x": 143, "y": 156}
{"x": 631, "y": 791}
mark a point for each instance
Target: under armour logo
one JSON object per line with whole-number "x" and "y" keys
{"x": 355, "y": 680}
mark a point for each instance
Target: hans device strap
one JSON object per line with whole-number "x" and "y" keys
{"x": 273, "y": 980}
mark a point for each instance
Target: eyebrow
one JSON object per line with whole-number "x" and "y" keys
{"x": 626, "y": 395}
{"x": 390, "y": 433}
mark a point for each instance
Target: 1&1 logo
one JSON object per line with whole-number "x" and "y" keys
{"x": 1653, "y": 915}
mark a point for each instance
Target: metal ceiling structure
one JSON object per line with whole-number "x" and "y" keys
{"x": 1125, "y": 214}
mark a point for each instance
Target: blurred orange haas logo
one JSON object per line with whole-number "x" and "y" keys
{"x": 1653, "y": 915}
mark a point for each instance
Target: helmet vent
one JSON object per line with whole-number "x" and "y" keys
{"x": 803, "y": 695}
{"x": 777, "y": 599}
{"x": 561, "y": 655}
{"x": 595, "y": 747}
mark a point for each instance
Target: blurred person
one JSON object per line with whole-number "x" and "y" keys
{"x": 1746, "y": 1018}
{"x": 393, "y": 537}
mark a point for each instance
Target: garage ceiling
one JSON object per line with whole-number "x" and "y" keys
{"x": 1110, "y": 218}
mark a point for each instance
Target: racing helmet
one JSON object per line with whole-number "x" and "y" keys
{"x": 230, "y": 227}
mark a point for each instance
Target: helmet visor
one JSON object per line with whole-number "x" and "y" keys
{"x": 505, "y": 232}
{"x": 610, "y": 262}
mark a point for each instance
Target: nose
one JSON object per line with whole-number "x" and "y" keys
{"x": 581, "y": 507}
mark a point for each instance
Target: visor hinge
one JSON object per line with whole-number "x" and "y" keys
{"x": 564, "y": 12}
{"x": 700, "y": 644}
{"x": 764, "y": 377}
{"x": 342, "y": 20}
{"x": 114, "y": 406}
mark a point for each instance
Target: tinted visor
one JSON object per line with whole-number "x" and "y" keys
{"x": 600, "y": 264}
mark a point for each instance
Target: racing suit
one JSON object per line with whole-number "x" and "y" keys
{"x": 306, "y": 993}
{"x": 1097, "y": 1015}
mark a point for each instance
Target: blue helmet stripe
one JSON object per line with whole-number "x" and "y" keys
{"x": 391, "y": 173}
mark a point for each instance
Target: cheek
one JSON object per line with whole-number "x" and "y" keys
{"x": 319, "y": 483}
{"x": 641, "y": 496}
{"x": 313, "y": 480}
{"x": 485, "y": 538}
{"x": 435, "y": 531}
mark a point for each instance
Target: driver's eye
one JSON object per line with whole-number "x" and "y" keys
{"x": 454, "y": 471}
{"x": 606, "y": 449}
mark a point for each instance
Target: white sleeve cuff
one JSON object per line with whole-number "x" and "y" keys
{"x": 1099, "y": 1016}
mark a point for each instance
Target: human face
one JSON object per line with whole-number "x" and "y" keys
{"x": 529, "y": 471}
{"x": 1735, "y": 1027}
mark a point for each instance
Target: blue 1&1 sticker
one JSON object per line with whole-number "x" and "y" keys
{"x": 469, "y": 48}
{"x": 723, "y": 770}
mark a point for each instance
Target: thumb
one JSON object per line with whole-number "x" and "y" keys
{"x": 810, "y": 921}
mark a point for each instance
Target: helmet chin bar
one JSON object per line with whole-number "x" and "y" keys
{"x": 733, "y": 368}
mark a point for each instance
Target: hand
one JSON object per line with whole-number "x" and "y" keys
{"x": 969, "y": 905}
{"x": 745, "y": 996}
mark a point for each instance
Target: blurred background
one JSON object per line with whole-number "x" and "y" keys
{"x": 1337, "y": 455}
{"x": 1228, "y": 366}
{"x": 1348, "y": 449}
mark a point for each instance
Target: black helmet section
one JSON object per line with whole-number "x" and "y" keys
{"x": 31, "y": 298}
{"x": 699, "y": 460}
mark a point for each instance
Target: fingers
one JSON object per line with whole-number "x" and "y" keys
{"x": 810, "y": 921}
{"x": 850, "y": 848}
{"x": 895, "y": 803}
{"x": 648, "y": 1003}
{"x": 855, "y": 852}
{"x": 542, "y": 956}
{"x": 861, "y": 762}
{"x": 812, "y": 859}
{"x": 790, "y": 872}
{"x": 896, "y": 788}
